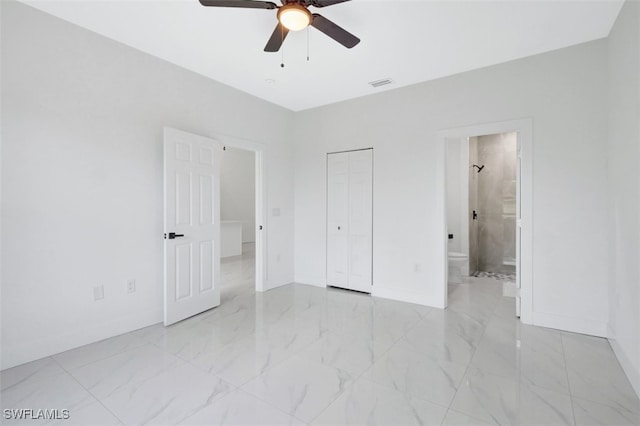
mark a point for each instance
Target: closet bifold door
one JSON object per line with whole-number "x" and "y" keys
{"x": 337, "y": 219}
{"x": 350, "y": 220}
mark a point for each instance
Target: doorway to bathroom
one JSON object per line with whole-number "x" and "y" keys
{"x": 487, "y": 199}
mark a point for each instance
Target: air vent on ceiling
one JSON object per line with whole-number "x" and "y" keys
{"x": 382, "y": 82}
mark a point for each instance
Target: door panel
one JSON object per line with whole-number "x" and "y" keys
{"x": 206, "y": 266}
{"x": 206, "y": 200}
{"x": 191, "y": 213}
{"x": 183, "y": 271}
{"x": 360, "y": 219}
{"x": 350, "y": 220}
{"x": 337, "y": 223}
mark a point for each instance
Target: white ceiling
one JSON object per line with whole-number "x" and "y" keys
{"x": 407, "y": 41}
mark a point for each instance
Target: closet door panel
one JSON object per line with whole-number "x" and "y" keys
{"x": 337, "y": 219}
{"x": 360, "y": 211}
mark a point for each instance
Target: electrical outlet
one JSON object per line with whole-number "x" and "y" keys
{"x": 131, "y": 286}
{"x": 98, "y": 293}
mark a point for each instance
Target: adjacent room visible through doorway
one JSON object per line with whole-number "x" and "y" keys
{"x": 482, "y": 207}
{"x": 237, "y": 222}
{"x": 487, "y": 203}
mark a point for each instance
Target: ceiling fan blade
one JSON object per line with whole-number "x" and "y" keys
{"x": 246, "y": 4}
{"x": 277, "y": 38}
{"x": 323, "y": 3}
{"x": 337, "y": 33}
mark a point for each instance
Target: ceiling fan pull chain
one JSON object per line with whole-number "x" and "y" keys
{"x": 307, "y": 44}
{"x": 282, "y": 49}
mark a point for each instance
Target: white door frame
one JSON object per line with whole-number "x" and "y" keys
{"x": 260, "y": 207}
{"x": 524, "y": 129}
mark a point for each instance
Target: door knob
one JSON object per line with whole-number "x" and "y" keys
{"x": 172, "y": 236}
{"x": 338, "y": 228}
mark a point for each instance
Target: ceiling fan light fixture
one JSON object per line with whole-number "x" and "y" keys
{"x": 294, "y": 17}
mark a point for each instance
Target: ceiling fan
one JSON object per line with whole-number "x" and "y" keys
{"x": 293, "y": 15}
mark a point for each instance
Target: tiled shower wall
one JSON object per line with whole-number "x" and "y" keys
{"x": 492, "y": 193}
{"x": 473, "y": 205}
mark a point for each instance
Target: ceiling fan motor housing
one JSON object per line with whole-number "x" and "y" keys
{"x": 294, "y": 16}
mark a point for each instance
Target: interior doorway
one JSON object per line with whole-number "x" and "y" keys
{"x": 516, "y": 258}
{"x": 243, "y": 240}
{"x": 482, "y": 206}
{"x": 237, "y": 222}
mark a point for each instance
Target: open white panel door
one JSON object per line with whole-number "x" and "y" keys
{"x": 518, "y": 224}
{"x": 191, "y": 224}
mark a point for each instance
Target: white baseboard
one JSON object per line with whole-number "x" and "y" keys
{"x": 37, "y": 349}
{"x": 316, "y": 281}
{"x": 270, "y": 285}
{"x": 575, "y": 325}
{"x": 630, "y": 370}
{"x": 400, "y": 296}
{"x": 311, "y": 283}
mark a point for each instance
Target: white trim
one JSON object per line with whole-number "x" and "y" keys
{"x": 313, "y": 282}
{"x": 572, "y": 324}
{"x": 524, "y": 128}
{"x": 401, "y": 296}
{"x": 632, "y": 374}
{"x": 37, "y": 349}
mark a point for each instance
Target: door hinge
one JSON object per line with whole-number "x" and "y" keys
{"x": 260, "y": 228}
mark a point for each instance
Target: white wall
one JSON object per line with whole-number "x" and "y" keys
{"x": 82, "y": 179}
{"x": 564, "y": 94}
{"x": 237, "y": 190}
{"x": 624, "y": 189}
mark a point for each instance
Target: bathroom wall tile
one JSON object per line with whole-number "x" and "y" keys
{"x": 490, "y": 243}
{"x": 473, "y": 205}
{"x": 495, "y": 194}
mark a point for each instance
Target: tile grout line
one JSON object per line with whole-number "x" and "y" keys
{"x": 98, "y": 400}
{"x": 466, "y": 371}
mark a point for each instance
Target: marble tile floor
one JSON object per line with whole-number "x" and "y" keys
{"x": 301, "y": 355}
